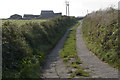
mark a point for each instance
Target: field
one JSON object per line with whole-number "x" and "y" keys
{"x": 21, "y": 22}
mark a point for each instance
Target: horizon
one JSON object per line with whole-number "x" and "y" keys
{"x": 77, "y": 7}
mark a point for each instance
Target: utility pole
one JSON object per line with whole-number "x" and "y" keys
{"x": 87, "y": 11}
{"x": 67, "y": 8}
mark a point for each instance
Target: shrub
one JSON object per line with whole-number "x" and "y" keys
{"x": 25, "y": 46}
{"x": 100, "y": 31}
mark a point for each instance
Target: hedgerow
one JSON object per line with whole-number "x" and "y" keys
{"x": 25, "y": 47}
{"x": 100, "y": 31}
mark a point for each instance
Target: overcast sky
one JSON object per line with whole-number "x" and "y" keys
{"x": 77, "y": 7}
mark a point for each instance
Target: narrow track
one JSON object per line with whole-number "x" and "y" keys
{"x": 101, "y": 69}
{"x": 54, "y": 67}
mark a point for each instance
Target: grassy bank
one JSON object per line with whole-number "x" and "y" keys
{"x": 100, "y": 32}
{"x": 25, "y": 46}
{"x": 70, "y": 57}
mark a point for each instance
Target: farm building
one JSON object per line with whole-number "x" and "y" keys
{"x": 30, "y": 16}
{"x": 15, "y": 16}
{"x": 45, "y": 14}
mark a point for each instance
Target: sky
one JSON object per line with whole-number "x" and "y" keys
{"x": 77, "y": 7}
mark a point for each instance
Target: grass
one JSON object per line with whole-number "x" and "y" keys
{"x": 21, "y": 22}
{"x": 79, "y": 73}
{"x": 70, "y": 57}
{"x": 77, "y": 66}
{"x": 69, "y": 48}
{"x": 77, "y": 62}
{"x": 65, "y": 60}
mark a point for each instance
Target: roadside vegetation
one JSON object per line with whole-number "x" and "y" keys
{"x": 25, "y": 47}
{"x": 70, "y": 57}
{"x": 101, "y": 33}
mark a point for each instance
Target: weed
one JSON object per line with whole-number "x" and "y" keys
{"x": 80, "y": 73}
{"x": 65, "y": 60}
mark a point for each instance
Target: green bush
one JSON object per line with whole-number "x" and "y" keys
{"x": 25, "y": 46}
{"x": 100, "y": 31}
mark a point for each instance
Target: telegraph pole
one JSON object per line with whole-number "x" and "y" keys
{"x": 87, "y": 11}
{"x": 67, "y": 8}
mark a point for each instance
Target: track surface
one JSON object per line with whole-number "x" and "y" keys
{"x": 55, "y": 68}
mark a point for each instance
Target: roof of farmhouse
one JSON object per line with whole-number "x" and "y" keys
{"x": 47, "y": 12}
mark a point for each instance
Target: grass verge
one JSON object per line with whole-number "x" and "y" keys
{"x": 70, "y": 57}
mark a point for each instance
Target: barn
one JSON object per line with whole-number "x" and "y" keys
{"x": 15, "y": 16}
{"x": 46, "y": 14}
